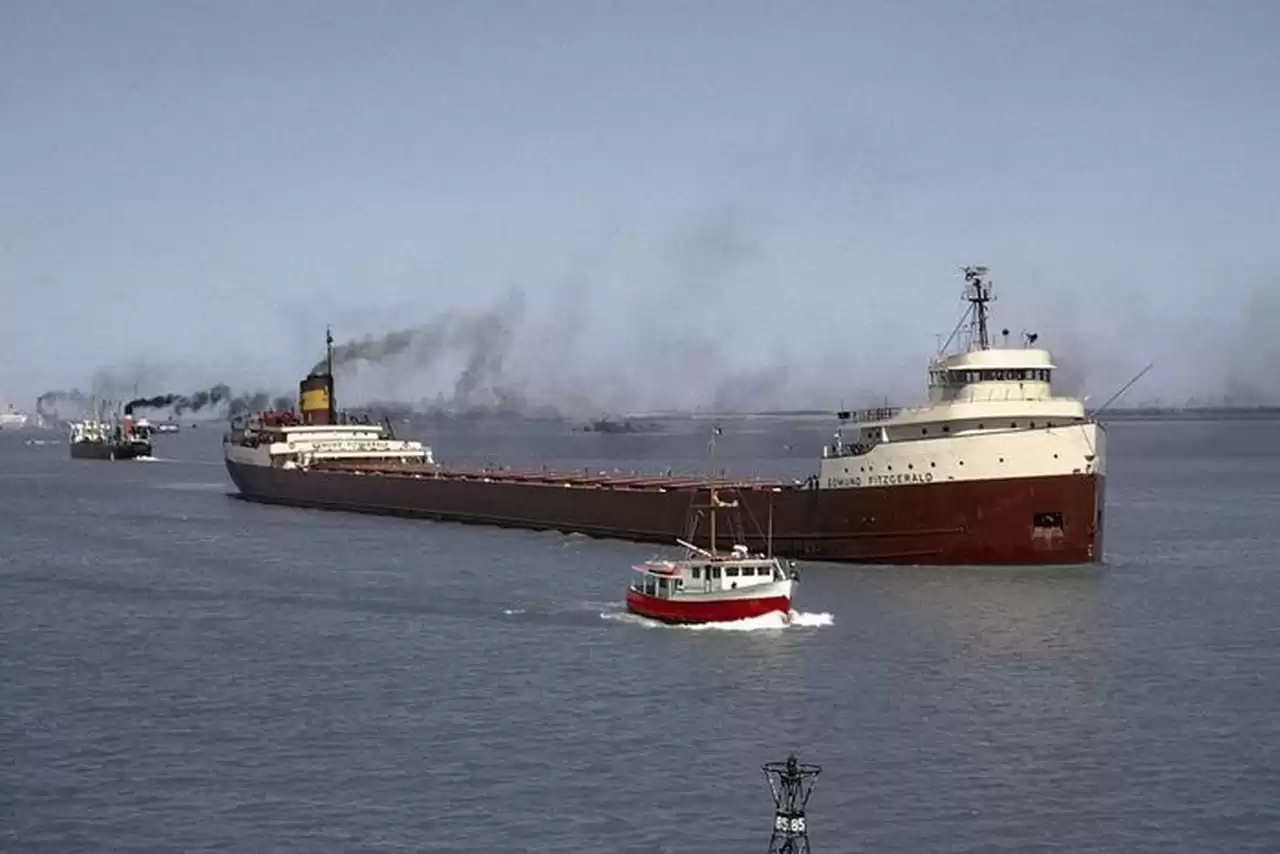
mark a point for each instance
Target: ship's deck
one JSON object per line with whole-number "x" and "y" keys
{"x": 637, "y": 481}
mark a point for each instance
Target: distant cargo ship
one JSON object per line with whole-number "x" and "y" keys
{"x": 116, "y": 439}
{"x": 12, "y": 419}
{"x": 992, "y": 469}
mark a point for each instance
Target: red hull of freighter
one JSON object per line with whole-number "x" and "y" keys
{"x": 685, "y": 612}
{"x": 1024, "y": 521}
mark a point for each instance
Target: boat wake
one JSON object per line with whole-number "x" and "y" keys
{"x": 775, "y": 622}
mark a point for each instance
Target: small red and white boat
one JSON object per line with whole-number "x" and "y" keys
{"x": 710, "y": 587}
{"x": 706, "y": 587}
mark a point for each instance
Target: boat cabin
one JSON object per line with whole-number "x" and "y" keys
{"x": 702, "y": 574}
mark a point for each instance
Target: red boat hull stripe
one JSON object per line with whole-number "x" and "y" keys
{"x": 719, "y": 611}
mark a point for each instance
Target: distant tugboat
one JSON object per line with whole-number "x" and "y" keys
{"x": 12, "y": 418}
{"x": 97, "y": 439}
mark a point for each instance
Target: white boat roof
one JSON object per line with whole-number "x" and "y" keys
{"x": 666, "y": 567}
{"x": 998, "y": 358}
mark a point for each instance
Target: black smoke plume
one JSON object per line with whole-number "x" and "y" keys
{"x": 480, "y": 335}
{"x": 481, "y": 340}
{"x": 181, "y": 403}
{"x": 206, "y": 399}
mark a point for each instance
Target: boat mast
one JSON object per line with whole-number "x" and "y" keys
{"x": 768, "y": 545}
{"x": 978, "y": 292}
{"x": 715, "y": 431}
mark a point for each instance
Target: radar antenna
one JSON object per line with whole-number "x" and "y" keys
{"x": 791, "y": 784}
{"x": 977, "y": 291}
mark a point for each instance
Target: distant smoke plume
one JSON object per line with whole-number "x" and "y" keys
{"x": 475, "y": 333}
{"x": 1251, "y": 353}
{"x": 181, "y": 403}
{"x": 481, "y": 341}
{"x": 689, "y": 335}
{"x": 209, "y": 399}
{"x": 47, "y": 403}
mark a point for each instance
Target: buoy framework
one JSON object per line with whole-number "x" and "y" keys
{"x": 791, "y": 784}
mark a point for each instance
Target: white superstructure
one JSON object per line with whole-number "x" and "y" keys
{"x": 991, "y": 415}
{"x": 11, "y": 418}
{"x": 298, "y": 446}
{"x": 90, "y": 430}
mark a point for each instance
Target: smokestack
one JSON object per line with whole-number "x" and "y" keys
{"x": 315, "y": 393}
{"x": 315, "y": 399}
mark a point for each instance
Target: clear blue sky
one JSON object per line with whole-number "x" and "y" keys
{"x": 191, "y": 190}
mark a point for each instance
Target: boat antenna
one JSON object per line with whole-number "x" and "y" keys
{"x": 791, "y": 784}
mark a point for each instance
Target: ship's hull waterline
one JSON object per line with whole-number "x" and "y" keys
{"x": 1054, "y": 520}
{"x": 109, "y": 450}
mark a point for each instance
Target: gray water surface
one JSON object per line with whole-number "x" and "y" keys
{"x": 184, "y": 671}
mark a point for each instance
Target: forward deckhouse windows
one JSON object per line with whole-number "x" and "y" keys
{"x": 965, "y": 376}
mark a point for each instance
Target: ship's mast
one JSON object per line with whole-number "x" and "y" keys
{"x": 769, "y": 538}
{"x": 328, "y": 368}
{"x": 715, "y": 431}
{"x": 978, "y": 292}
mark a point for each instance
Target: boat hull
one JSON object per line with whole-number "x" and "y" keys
{"x": 687, "y": 612}
{"x": 989, "y": 522}
{"x": 109, "y": 450}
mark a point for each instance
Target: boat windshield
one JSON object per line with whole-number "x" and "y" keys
{"x": 660, "y": 586}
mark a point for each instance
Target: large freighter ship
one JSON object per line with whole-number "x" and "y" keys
{"x": 992, "y": 469}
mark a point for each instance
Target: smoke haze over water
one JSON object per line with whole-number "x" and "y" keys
{"x": 563, "y": 208}
{"x": 546, "y": 354}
